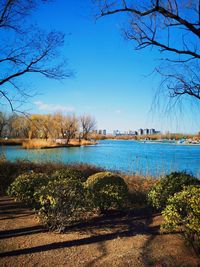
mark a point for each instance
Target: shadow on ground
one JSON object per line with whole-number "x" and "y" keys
{"x": 120, "y": 224}
{"x": 155, "y": 249}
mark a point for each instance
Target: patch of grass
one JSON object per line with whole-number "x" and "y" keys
{"x": 38, "y": 143}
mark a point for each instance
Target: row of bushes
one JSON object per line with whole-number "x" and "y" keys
{"x": 10, "y": 170}
{"x": 178, "y": 197}
{"x": 66, "y": 196}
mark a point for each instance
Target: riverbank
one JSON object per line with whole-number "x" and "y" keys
{"x": 11, "y": 142}
{"x": 153, "y": 137}
{"x": 45, "y": 144}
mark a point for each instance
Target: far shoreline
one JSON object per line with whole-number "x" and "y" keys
{"x": 45, "y": 144}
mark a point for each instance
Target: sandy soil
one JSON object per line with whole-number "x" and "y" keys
{"x": 114, "y": 240}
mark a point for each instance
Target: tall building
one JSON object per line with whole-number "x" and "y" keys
{"x": 146, "y": 131}
{"x": 152, "y": 131}
{"x": 140, "y": 132}
{"x": 100, "y": 131}
{"x": 104, "y": 132}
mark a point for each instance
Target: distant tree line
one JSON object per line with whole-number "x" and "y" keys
{"x": 46, "y": 126}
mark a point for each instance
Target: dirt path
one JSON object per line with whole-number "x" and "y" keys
{"x": 117, "y": 240}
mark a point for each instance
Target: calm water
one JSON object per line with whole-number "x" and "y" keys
{"x": 126, "y": 156}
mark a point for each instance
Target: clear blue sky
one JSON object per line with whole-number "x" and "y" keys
{"x": 110, "y": 80}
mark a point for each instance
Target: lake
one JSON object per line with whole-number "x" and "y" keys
{"x": 125, "y": 156}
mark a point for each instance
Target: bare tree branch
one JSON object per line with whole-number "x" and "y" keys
{"x": 35, "y": 52}
{"x": 172, "y": 26}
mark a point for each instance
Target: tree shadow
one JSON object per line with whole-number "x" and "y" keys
{"x": 118, "y": 224}
{"x": 13, "y": 208}
{"x": 22, "y": 215}
{"x": 152, "y": 257}
{"x": 116, "y": 221}
{"x": 102, "y": 249}
{"x": 71, "y": 243}
{"x": 22, "y": 231}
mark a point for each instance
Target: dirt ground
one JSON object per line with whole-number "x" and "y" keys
{"x": 114, "y": 240}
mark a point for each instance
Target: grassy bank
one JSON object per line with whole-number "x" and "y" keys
{"x": 43, "y": 143}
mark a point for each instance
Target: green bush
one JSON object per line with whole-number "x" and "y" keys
{"x": 183, "y": 213}
{"x": 61, "y": 202}
{"x": 107, "y": 190}
{"x": 25, "y": 185}
{"x": 69, "y": 173}
{"x": 168, "y": 186}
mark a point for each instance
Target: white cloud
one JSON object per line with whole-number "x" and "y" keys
{"x": 53, "y": 107}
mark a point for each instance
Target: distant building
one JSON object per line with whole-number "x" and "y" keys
{"x": 146, "y": 131}
{"x": 104, "y": 132}
{"x": 100, "y": 131}
{"x": 132, "y": 132}
{"x": 140, "y": 132}
{"x": 116, "y": 132}
{"x": 152, "y": 131}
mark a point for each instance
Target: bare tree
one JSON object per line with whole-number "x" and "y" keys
{"x": 25, "y": 50}
{"x": 172, "y": 26}
{"x": 3, "y": 122}
{"x": 19, "y": 126}
{"x": 88, "y": 124}
{"x": 71, "y": 125}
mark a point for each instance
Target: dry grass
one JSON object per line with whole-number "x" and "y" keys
{"x": 87, "y": 143}
{"x": 42, "y": 143}
{"x": 38, "y": 143}
{"x": 76, "y": 142}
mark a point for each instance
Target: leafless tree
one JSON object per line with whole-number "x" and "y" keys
{"x": 88, "y": 124}
{"x": 172, "y": 26}
{"x": 25, "y": 49}
{"x": 18, "y": 126}
{"x": 71, "y": 125}
{"x": 3, "y": 122}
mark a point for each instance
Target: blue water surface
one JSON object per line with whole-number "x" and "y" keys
{"x": 126, "y": 156}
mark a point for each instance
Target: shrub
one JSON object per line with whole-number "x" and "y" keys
{"x": 25, "y": 185}
{"x": 168, "y": 186}
{"x": 69, "y": 173}
{"x": 107, "y": 190}
{"x": 61, "y": 202}
{"x": 183, "y": 213}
